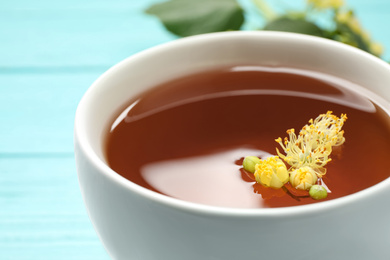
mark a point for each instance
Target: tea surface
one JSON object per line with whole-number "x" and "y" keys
{"x": 187, "y": 138}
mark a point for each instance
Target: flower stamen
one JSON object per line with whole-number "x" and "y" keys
{"x": 314, "y": 143}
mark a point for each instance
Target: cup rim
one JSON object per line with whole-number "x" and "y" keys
{"x": 197, "y": 208}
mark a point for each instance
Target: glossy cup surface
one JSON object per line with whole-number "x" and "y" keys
{"x": 135, "y": 223}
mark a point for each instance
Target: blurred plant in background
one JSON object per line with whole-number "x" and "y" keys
{"x": 330, "y": 19}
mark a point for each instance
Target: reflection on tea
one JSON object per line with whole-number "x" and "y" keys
{"x": 187, "y": 138}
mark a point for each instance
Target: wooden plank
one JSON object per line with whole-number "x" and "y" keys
{"x": 37, "y": 110}
{"x": 42, "y": 215}
{"x": 82, "y": 35}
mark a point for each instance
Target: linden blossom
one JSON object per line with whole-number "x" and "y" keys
{"x": 271, "y": 172}
{"x": 314, "y": 143}
{"x": 307, "y": 154}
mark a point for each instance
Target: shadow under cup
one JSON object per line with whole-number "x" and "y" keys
{"x": 136, "y": 223}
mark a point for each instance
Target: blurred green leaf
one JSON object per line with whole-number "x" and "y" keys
{"x": 352, "y": 37}
{"x": 297, "y": 25}
{"x": 190, "y": 17}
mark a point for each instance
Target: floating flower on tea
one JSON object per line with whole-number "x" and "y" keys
{"x": 318, "y": 192}
{"x": 303, "y": 178}
{"x": 302, "y": 151}
{"x": 271, "y": 172}
{"x": 314, "y": 143}
{"x": 250, "y": 162}
{"x": 307, "y": 153}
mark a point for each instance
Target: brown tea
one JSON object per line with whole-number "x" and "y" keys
{"x": 187, "y": 138}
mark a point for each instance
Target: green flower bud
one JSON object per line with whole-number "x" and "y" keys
{"x": 318, "y": 192}
{"x": 250, "y": 162}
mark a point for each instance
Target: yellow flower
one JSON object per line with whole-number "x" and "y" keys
{"x": 313, "y": 145}
{"x": 325, "y": 130}
{"x": 376, "y": 49}
{"x": 303, "y": 178}
{"x": 348, "y": 19}
{"x": 325, "y": 4}
{"x": 271, "y": 172}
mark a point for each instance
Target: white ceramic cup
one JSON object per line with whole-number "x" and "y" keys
{"x": 138, "y": 224}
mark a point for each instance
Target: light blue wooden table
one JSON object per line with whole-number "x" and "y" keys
{"x": 50, "y": 53}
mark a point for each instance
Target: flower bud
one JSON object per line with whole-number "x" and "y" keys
{"x": 318, "y": 192}
{"x": 250, "y": 162}
{"x": 303, "y": 178}
{"x": 271, "y": 172}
